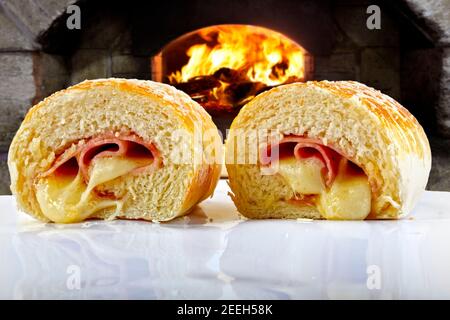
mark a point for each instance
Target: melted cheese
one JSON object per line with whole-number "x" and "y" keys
{"x": 67, "y": 199}
{"x": 348, "y": 198}
{"x": 303, "y": 176}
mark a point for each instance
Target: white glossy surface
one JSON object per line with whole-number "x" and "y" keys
{"x": 228, "y": 257}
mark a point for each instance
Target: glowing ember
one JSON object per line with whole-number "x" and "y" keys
{"x": 235, "y": 63}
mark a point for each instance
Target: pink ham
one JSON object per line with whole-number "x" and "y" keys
{"x": 109, "y": 145}
{"x": 306, "y": 148}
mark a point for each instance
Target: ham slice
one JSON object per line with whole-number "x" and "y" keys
{"x": 304, "y": 148}
{"x": 109, "y": 145}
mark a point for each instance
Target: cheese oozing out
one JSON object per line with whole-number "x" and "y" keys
{"x": 348, "y": 197}
{"x": 303, "y": 176}
{"x": 65, "y": 198}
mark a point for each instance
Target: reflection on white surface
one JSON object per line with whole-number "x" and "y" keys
{"x": 214, "y": 254}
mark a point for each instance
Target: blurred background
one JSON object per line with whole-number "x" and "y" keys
{"x": 179, "y": 42}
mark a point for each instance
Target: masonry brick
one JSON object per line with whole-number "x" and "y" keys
{"x": 90, "y": 64}
{"x": 380, "y": 68}
{"x": 11, "y": 38}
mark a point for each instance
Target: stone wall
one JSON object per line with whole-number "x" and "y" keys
{"x": 105, "y": 50}
{"x": 419, "y": 76}
{"x": 368, "y": 56}
{"x": 436, "y": 17}
{"x": 26, "y": 73}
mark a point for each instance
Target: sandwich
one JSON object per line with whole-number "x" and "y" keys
{"x": 114, "y": 148}
{"x": 326, "y": 150}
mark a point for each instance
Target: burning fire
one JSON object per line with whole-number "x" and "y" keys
{"x": 238, "y": 57}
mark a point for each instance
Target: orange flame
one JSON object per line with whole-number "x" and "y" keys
{"x": 263, "y": 55}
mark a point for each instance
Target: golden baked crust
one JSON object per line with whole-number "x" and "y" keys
{"x": 391, "y": 113}
{"x": 95, "y": 106}
{"x": 372, "y": 129}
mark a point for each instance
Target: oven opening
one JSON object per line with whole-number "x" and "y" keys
{"x": 223, "y": 67}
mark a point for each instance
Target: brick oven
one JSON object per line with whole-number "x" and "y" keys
{"x": 407, "y": 58}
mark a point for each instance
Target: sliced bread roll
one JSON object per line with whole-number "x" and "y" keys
{"x": 333, "y": 150}
{"x": 114, "y": 148}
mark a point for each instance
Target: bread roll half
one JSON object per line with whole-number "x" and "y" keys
{"x": 114, "y": 148}
{"x": 334, "y": 150}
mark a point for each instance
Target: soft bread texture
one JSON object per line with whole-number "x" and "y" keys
{"x": 370, "y": 128}
{"x": 151, "y": 110}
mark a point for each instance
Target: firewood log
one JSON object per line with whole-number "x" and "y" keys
{"x": 198, "y": 84}
{"x": 230, "y": 75}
